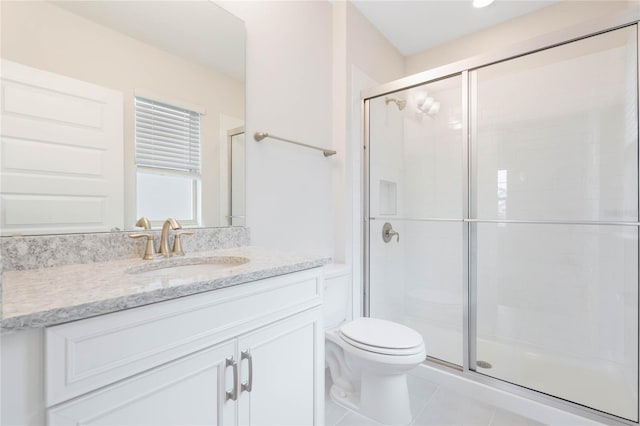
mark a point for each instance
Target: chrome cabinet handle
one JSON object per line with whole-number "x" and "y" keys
{"x": 248, "y": 385}
{"x": 232, "y": 394}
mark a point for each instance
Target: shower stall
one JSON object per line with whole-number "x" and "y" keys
{"x": 509, "y": 186}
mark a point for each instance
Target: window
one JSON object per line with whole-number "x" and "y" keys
{"x": 167, "y": 141}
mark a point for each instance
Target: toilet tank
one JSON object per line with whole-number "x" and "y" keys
{"x": 337, "y": 295}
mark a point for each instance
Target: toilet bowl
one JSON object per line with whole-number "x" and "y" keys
{"x": 368, "y": 359}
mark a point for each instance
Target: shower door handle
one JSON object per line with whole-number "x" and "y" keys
{"x": 388, "y": 232}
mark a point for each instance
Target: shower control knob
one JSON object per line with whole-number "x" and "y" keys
{"x": 388, "y": 232}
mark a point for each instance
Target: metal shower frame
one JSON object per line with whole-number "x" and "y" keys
{"x": 463, "y": 68}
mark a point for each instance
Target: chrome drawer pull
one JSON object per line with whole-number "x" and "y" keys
{"x": 232, "y": 394}
{"x": 248, "y": 385}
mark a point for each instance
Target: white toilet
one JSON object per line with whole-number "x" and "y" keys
{"x": 368, "y": 359}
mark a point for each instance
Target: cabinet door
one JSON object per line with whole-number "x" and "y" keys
{"x": 187, "y": 391}
{"x": 287, "y": 362}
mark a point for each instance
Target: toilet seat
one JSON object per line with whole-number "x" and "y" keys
{"x": 383, "y": 351}
{"x": 382, "y": 337}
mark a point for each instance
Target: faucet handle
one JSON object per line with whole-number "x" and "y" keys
{"x": 177, "y": 243}
{"x": 149, "y": 249}
{"x": 143, "y": 222}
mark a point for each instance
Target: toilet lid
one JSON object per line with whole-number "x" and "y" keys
{"x": 377, "y": 333}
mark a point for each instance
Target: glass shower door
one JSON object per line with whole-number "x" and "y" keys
{"x": 554, "y": 214}
{"x": 416, "y": 186}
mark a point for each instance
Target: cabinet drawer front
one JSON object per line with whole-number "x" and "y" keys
{"x": 87, "y": 354}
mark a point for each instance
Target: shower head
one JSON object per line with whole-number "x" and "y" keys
{"x": 401, "y": 103}
{"x": 429, "y": 106}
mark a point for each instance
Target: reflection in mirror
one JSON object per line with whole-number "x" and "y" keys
{"x": 112, "y": 110}
{"x": 235, "y": 146}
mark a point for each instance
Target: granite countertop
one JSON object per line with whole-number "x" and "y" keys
{"x": 49, "y": 296}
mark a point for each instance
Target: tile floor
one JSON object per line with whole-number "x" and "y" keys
{"x": 432, "y": 404}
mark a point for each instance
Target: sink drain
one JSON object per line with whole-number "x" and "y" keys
{"x": 483, "y": 364}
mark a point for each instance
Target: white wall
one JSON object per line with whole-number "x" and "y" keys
{"x": 368, "y": 59}
{"x": 289, "y": 87}
{"x": 299, "y": 63}
{"x": 369, "y": 50}
{"x": 22, "y": 358}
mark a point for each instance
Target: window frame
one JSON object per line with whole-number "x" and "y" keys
{"x": 195, "y": 176}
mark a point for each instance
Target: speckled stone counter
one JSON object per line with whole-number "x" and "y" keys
{"x": 40, "y": 251}
{"x": 49, "y": 296}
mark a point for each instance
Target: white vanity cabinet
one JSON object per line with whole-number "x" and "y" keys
{"x": 249, "y": 354}
{"x": 187, "y": 391}
{"x": 283, "y": 356}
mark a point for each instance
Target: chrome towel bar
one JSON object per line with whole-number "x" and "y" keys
{"x": 258, "y": 136}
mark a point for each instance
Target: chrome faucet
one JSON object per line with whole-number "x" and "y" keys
{"x": 164, "y": 235}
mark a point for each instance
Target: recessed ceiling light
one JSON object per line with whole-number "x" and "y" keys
{"x": 481, "y": 3}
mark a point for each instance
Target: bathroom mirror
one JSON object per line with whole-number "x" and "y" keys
{"x": 112, "y": 110}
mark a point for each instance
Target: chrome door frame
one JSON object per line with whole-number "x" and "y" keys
{"x": 463, "y": 68}
{"x": 366, "y": 157}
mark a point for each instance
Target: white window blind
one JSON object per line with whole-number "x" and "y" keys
{"x": 167, "y": 137}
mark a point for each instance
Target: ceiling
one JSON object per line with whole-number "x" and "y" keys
{"x": 414, "y": 26}
{"x": 410, "y": 25}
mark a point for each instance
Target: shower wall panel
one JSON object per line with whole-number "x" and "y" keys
{"x": 556, "y": 311}
{"x": 556, "y": 133}
{"x": 433, "y": 295}
{"x": 555, "y": 205}
{"x": 417, "y": 280}
{"x": 387, "y": 274}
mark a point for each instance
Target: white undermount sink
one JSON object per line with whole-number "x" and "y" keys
{"x": 186, "y": 267}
